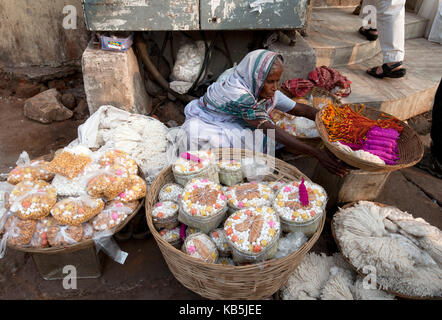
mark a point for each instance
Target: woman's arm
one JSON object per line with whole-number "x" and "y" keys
{"x": 327, "y": 160}
{"x": 304, "y": 110}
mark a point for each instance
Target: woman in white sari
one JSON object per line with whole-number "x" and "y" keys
{"x": 228, "y": 114}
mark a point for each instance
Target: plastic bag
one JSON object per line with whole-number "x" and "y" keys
{"x": 32, "y": 200}
{"x": 200, "y": 246}
{"x": 40, "y": 237}
{"x": 111, "y": 217}
{"x": 59, "y": 235}
{"x": 104, "y": 241}
{"x": 135, "y": 190}
{"x": 75, "y": 211}
{"x": 69, "y": 164}
{"x": 190, "y": 58}
{"x": 18, "y": 232}
{"x": 29, "y": 170}
{"x": 105, "y": 183}
{"x": 254, "y": 169}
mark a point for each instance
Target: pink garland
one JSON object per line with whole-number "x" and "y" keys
{"x": 303, "y": 195}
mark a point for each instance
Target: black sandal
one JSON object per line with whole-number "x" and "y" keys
{"x": 366, "y": 33}
{"x": 387, "y": 71}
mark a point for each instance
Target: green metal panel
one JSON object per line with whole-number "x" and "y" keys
{"x": 253, "y": 14}
{"x": 157, "y": 15}
{"x": 141, "y": 15}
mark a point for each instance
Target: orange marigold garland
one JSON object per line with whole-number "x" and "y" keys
{"x": 346, "y": 125}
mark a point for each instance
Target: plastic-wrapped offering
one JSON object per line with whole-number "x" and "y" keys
{"x": 69, "y": 164}
{"x": 172, "y": 236}
{"x": 88, "y": 231}
{"x": 19, "y": 232}
{"x": 35, "y": 170}
{"x": 190, "y": 230}
{"x": 203, "y": 205}
{"x": 195, "y": 164}
{"x": 253, "y": 234}
{"x": 32, "y": 200}
{"x": 200, "y": 246}
{"x": 75, "y": 211}
{"x": 299, "y": 208}
{"x": 118, "y": 160}
{"x": 226, "y": 261}
{"x": 40, "y": 237}
{"x": 230, "y": 172}
{"x": 59, "y": 235}
{"x": 297, "y": 126}
{"x": 247, "y": 195}
{"x": 135, "y": 190}
{"x": 108, "y": 185}
{"x": 77, "y": 186}
{"x": 165, "y": 215}
{"x": 113, "y": 214}
{"x": 276, "y": 185}
{"x": 170, "y": 192}
{"x": 132, "y": 205}
{"x": 219, "y": 237}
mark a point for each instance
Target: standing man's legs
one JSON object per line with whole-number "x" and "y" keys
{"x": 391, "y": 26}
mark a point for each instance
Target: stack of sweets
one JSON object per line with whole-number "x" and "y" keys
{"x": 200, "y": 246}
{"x": 300, "y": 205}
{"x": 230, "y": 172}
{"x": 203, "y": 205}
{"x": 165, "y": 215}
{"x": 247, "y": 195}
{"x": 253, "y": 234}
{"x": 195, "y": 164}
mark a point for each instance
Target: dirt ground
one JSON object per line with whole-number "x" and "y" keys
{"x": 145, "y": 274}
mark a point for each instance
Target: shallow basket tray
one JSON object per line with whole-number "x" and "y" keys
{"x": 82, "y": 244}
{"x": 359, "y": 272}
{"x": 216, "y": 281}
{"x": 411, "y": 149}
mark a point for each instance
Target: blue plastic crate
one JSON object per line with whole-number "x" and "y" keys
{"x": 116, "y": 44}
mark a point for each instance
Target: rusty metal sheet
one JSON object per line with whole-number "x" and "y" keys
{"x": 141, "y": 15}
{"x": 253, "y": 14}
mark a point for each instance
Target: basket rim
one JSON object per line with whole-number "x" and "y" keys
{"x": 218, "y": 267}
{"x": 360, "y": 163}
{"x": 86, "y": 243}
{"x": 359, "y": 272}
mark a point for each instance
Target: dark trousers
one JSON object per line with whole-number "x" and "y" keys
{"x": 436, "y": 126}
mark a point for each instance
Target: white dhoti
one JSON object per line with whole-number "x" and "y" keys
{"x": 390, "y": 22}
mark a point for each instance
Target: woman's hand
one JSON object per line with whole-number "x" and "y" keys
{"x": 331, "y": 163}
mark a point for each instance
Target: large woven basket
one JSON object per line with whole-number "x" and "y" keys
{"x": 83, "y": 244}
{"x": 216, "y": 281}
{"x": 411, "y": 149}
{"x": 359, "y": 272}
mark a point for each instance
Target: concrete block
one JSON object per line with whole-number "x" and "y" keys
{"x": 355, "y": 186}
{"x": 299, "y": 60}
{"x": 113, "y": 78}
{"x": 46, "y": 107}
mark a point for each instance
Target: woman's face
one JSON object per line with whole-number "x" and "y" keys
{"x": 271, "y": 83}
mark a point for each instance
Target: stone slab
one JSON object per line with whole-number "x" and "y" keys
{"x": 405, "y": 97}
{"x": 429, "y": 184}
{"x": 356, "y": 185}
{"x": 113, "y": 78}
{"x": 340, "y": 44}
{"x": 406, "y": 196}
{"x": 299, "y": 60}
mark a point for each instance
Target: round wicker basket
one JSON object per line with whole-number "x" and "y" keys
{"x": 411, "y": 149}
{"x": 359, "y": 272}
{"x": 83, "y": 244}
{"x": 217, "y": 281}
